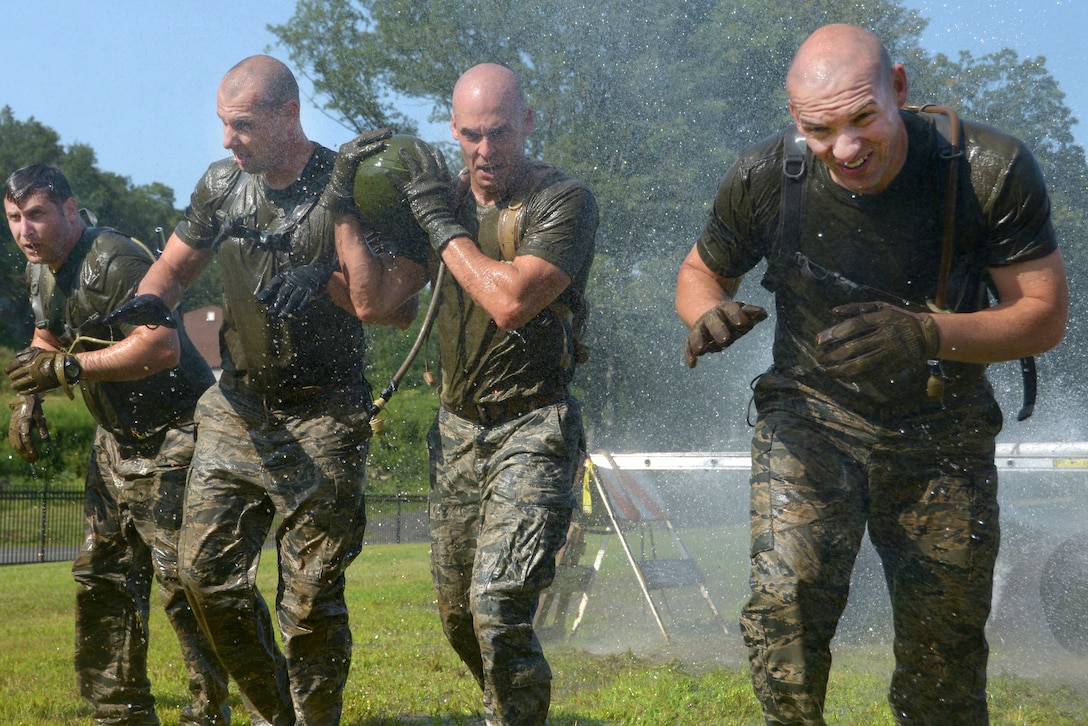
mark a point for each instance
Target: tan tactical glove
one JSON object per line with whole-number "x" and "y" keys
{"x": 876, "y": 336}
{"x": 34, "y": 370}
{"x": 26, "y": 414}
{"x": 720, "y": 327}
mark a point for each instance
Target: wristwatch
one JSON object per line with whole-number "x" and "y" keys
{"x": 72, "y": 369}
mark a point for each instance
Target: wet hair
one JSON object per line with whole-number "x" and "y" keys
{"x": 38, "y": 179}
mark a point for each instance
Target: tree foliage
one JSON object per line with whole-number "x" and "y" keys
{"x": 136, "y": 210}
{"x": 649, "y": 103}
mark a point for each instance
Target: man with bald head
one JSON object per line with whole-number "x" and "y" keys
{"x": 876, "y": 411}
{"x": 517, "y": 237}
{"x": 285, "y": 432}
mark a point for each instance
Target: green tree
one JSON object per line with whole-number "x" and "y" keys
{"x": 649, "y": 104}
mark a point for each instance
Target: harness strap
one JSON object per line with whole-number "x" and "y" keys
{"x": 511, "y": 230}
{"x": 787, "y": 246}
{"x": 948, "y": 137}
{"x": 278, "y": 238}
{"x": 37, "y": 303}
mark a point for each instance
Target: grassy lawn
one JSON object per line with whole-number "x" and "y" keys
{"x": 617, "y": 669}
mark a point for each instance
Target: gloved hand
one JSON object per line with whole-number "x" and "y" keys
{"x": 876, "y": 335}
{"x": 339, "y": 193}
{"x": 720, "y": 327}
{"x": 427, "y": 189}
{"x": 143, "y": 309}
{"x": 26, "y": 412}
{"x": 34, "y": 370}
{"x": 291, "y": 291}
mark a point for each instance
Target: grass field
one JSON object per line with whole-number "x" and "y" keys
{"x": 616, "y": 670}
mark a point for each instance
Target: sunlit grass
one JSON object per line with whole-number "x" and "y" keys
{"x": 404, "y": 673}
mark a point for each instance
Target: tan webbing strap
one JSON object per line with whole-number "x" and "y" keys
{"x": 951, "y": 152}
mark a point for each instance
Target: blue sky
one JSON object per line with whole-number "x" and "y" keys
{"x": 136, "y": 79}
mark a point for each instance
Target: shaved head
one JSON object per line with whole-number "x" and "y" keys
{"x": 491, "y": 120}
{"x": 274, "y": 81}
{"x": 832, "y": 51}
{"x": 844, "y": 95}
{"x": 258, "y": 103}
{"x": 492, "y": 84}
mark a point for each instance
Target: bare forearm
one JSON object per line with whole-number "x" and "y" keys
{"x": 698, "y": 289}
{"x": 175, "y": 270}
{"x": 1029, "y": 320}
{"x": 141, "y": 354}
{"x": 376, "y": 287}
{"x": 998, "y": 334}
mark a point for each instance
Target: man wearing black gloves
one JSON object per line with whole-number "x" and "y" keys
{"x": 286, "y": 430}
{"x": 517, "y": 237}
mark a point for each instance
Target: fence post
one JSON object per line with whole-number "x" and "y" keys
{"x": 44, "y": 522}
{"x": 396, "y": 536}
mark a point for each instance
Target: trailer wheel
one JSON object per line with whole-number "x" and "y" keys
{"x": 1063, "y": 590}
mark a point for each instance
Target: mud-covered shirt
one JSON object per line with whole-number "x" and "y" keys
{"x": 99, "y": 275}
{"x": 258, "y": 232}
{"x": 888, "y": 245}
{"x": 482, "y": 363}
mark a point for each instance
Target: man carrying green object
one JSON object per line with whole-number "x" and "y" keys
{"x": 517, "y": 237}
{"x": 141, "y": 390}
{"x": 876, "y": 413}
{"x": 286, "y": 430}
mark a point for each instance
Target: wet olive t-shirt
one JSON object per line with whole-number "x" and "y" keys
{"x": 321, "y": 346}
{"x": 888, "y": 242}
{"x": 482, "y": 363}
{"x": 100, "y": 275}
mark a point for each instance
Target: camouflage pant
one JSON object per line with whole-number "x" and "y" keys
{"x": 926, "y": 488}
{"x": 133, "y": 516}
{"x": 306, "y": 462}
{"x": 501, "y": 499}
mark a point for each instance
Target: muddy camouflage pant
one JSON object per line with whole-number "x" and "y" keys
{"x": 304, "y": 461}
{"x": 926, "y": 486}
{"x": 132, "y": 510}
{"x": 500, "y": 503}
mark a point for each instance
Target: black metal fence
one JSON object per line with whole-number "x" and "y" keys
{"x": 47, "y": 525}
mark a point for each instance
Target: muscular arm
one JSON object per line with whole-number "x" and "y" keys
{"x": 375, "y": 287}
{"x": 175, "y": 270}
{"x": 141, "y": 353}
{"x": 512, "y": 293}
{"x": 698, "y": 289}
{"x": 1029, "y": 319}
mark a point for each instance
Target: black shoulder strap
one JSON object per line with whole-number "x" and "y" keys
{"x": 788, "y": 242}
{"x": 794, "y": 148}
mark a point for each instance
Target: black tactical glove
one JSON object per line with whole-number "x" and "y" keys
{"x": 34, "y": 370}
{"x": 26, "y": 416}
{"x": 291, "y": 291}
{"x": 144, "y": 309}
{"x": 720, "y": 327}
{"x": 339, "y": 193}
{"x": 427, "y": 189}
{"x": 876, "y": 336}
